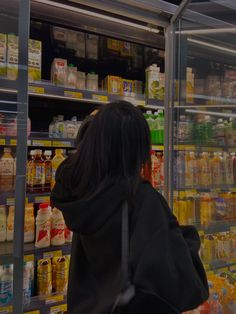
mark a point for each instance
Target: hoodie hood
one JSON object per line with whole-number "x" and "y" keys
{"x": 87, "y": 216}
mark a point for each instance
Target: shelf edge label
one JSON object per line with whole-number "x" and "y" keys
{"x": 36, "y": 89}
{"x": 54, "y": 299}
{"x": 52, "y": 254}
{"x": 77, "y": 95}
{"x": 100, "y": 97}
{"x": 58, "y": 309}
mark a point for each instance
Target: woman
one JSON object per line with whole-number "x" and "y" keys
{"x": 90, "y": 190}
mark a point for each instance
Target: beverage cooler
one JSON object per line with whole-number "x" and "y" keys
{"x": 202, "y": 172}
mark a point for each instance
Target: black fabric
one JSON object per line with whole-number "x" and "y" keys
{"x": 161, "y": 261}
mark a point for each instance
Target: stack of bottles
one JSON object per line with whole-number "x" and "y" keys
{"x": 205, "y": 130}
{"x": 219, "y": 246}
{"x": 41, "y": 170}
{"x": 51, "y": 276}
{"x": 204, "y": 169}
{"x": 157, "y": 176}
{"x": 156, "y": 125}
{"x": 49, "y": 226}
{"x": 59, "y": 128}
{"x": 222, "y": 298}
{"x": 206, "y": 209}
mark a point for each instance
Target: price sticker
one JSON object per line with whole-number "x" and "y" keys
{"x": 43, "y": 143}
{"x": 6, "y": 309}
{"x": 52, "y": 254}
{"x": 61, "y": 144}
{"x": 103, "y": 98}
{"x": 141, "y": 103}
{"x": 13, "y": 142}
{"x": 58, "y": 309}
{"x": 36, "y": 89}
{"x": 29, "y": 258}
{"x": 33, "y": 312}
{"x": 190, "y": 193}
{"x": 72, "y": 94}
{"x": 158, "y": 147}
{"x": 54, "y": 299}
{"x": 41, "y": 199}
{"x": 2, "y": 141}
{"x": 10, "y": 201}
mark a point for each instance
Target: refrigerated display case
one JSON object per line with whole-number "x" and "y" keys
{"x": 202, "y": 186}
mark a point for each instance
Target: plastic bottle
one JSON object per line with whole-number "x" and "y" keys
{"x": 180, "y": 169}
{"x": 52, "y": 127}
{"x": 37, "y": 172}
{"x": 44, "y": 277}
{"x": 216, "y": 169}
{"x": 233, "y": 157}
{"x": 190, "y": 169}
{"x": 205, "y": 179}
{"x": 156, "y": 170}
{"x": 6, "y": 170}
{"x": 206, "y": 209}
{"x": 56, "y": 161}
{"x": 155, "y": 128}
{"x": 162, "y": 173}
{"x": 58, "y": 228}
{"x": 47, "y": 170}
{"x": 3, "y": 224}
{"x": 10, "y": 223}
{"x": 30, "y": 172}
{"x": 6, "y": 285}
{"x": 184, "y": 130}
{"x": 208, "y": 131}
{"x": 160, "y": 119}
{"x": 68, "y": 235}
{"x": 60, "y": 127}
{"x": 29, "y": 227}
{"x": 150, "y": 122}
{"x": 216, "y": 307}
{"x": 228, "y": 169}
{"x": 189, "y": 85}
{"x": 43, "y": 226}
{"x": 27, "y": 283}
{"x": 220, "y": 133}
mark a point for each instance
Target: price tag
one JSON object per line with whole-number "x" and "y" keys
{"x": 41, "y": 199}
{"x": 190, "y": 193}
{"x": 72, "y": 94}
{"x": 10, "y": 201}
{"x": 6, "y": 309}
{"x": 100, "y": 97}
{"x": 54, "y": 299}
{"x": 33, "y": 312}
{"x": 43, "y": 143}
{"x": 61, "y": 144}
{"x": 52, "y": 254}
{"x": 58, "y": 309}
{"x": 13, "y": 142}
{"x": 141, "y": 103}
{"x": 2, "y": 141}
{"x": 201, "y": 233}
{"x": 36, "y": 89}
{"x": 29, "y": 258}
{"x": 158, "y": 147}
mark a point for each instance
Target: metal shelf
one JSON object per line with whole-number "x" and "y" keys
{"x": 203, "y": 147}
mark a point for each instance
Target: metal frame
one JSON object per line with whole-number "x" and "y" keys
{"x": 21, "y": 156}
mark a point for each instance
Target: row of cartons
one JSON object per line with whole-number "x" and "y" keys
{"x": 9, "y": 57}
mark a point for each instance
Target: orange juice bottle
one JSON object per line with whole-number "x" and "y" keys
{"x": 56, "y": 161}
{"x": 6, "y": 170}
{"x": 37, "y": 177}
{"x": 206, "y": 209}
{"x": 205, "y": 170}
{"x": 190, "y": 169}
{"x": 216, "y": 170}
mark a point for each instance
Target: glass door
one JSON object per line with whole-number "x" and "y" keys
{"x": 204, "y": 142}
{"x": 14, "y": 17}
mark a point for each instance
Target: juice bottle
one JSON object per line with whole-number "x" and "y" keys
{"x": 58, "y": 228}
{"x": 206, "y": 209}
{"x": 216, "y": 307}
{"x": 156, "y": 170}
{"x": 30, "y": 167}
{"x": 61, "y": 274}
{"x": 180, "y": 169}
{"x": 228, "y": 169}
{"x": 208, "y": 251}
{"x": 10, "y": 223}
{"x": 155, "y": 128}
{"x": 47, "y": 170}
{"x": 216, "y": 169}
{"x": 43, "y": 226}
{"x": 6, "y": 170}
{"x": 150, "y": 122}
{"x": 190, "y": 169}
{"x": 205, "y": 170}
{"x": 68, "y": 235}
{"x": 160, "y": 123}
{"x": 56, "y": 161}
{"x": 220, "y": 133}
{"x": 6, "y": 284}
{"x": 29, "y": 227}
{"x": 37, "y": 177}
{"x": 3, "y": 224}
{"x": 189, "y": 85}
{"x": 44, "y": 277}
{"x": 162, "y": 175}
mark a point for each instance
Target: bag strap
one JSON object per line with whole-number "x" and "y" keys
{"x": 125, "y": 247}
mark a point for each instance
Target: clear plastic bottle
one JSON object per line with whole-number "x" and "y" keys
{"x": 216, "y": 170}
{"x": 47, "y": 170}
{"x": 56, "y": 161}
{"x": 52, "y": 127}
{"x": 37, "y": 172}
{"x": 190, "y": 170}
{"x": 150, "y": 122}
{"x": 10, "y": 223}
{"x": 7, "y": 170}
{"x": 205, "y": 179}
{"x": 6, "y": 284}
{"x": 160, "y": 119}
{"x": 228, "y": 169}
{"x": 60, "y": 127}
{"x": 220, "y": 133}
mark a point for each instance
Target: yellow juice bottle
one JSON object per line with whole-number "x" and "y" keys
{"x": 56, "y": 161}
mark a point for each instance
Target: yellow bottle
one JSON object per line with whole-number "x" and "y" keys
{"x": 29, "y": 227}
{"x": 56, "y": 161}
{"x": 7, "y": 170}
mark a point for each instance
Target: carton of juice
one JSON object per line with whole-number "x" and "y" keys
{"x": 35, "y": 60}
{"x": 59, "y": 72}
{"x": 3, "y": 55}
{"x": 12, "y": 56}
{"x": 113, "y": 84}
{"x": 206, "y": 209}
{"x": 152, "y": 81}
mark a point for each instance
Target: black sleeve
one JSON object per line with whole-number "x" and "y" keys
{"x": 167, "y": 264}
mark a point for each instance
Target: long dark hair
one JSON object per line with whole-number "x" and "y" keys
{"x": 114, "y": 148}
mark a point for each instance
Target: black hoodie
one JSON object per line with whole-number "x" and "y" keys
{"x": 163, "y": 257}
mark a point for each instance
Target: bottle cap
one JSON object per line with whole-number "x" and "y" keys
{"x": 7, "y": 150}
{"x": 48, "y": 153}
{"x": 44, "y": 206}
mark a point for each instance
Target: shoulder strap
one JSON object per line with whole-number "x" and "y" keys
{"x": 125, "y": 247}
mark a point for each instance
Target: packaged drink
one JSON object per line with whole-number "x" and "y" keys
{"x": 234, "y": 166}
{"x": 80, "y": 45}
{"x": 30, "y": 169}
{"x": 59, "y": 34}
{"x": 68, "y": 235}
{"x": 10, "y": 223}
{"x": 162, "y": 182}
{"x": 189, "y": 85}
{"x": 150, "y": 122}
{"x": 71, "y": 76}
{"x": 205, "y": 179}
{"x": 29, "y": 227}
{"x": 91, "y": 46}
{"x": 58, "y": 228}
{"x": 7, "y": 170}
{"x": 216, "y": 307}
{"x": 155, "y": 128}
{"x": 72, "y": 128}
{"x": 125, "y": 49}
{"x": 127, "y": 87}
{"x": 208, "y": 249}
{"x": 208, "y": 133}
{"x": 156, "y": 170}
{"x": 60, "y": 274}
{"x": 12, "y": 56}
{"x": 3, "y": 224}
{"x": 228, "y": 169}
{"x": 81, "y": 80}
{"x": 113, "y": 84}
{"x": 92, "y": 81}
{"x": 229, "y": 132}
{"x": 190, "y": 170}
{"x": 220, "y": 133}
{"x": 59, "y": 72}
{"x": 43, "y": 226}
{"x": 27, "y": 283}
{"x": 161, "y": 90}
{"x": 180, "y": 169}
{"x": 160, "y": 125}
{"x": 220, "y": 208}
{"x": 56, "y": 161}
{"x": 52, "y": 127}
{"x": 3, "y": 55}
{"x": 37, "y": 172}
{"x": 138, "y": 87}
{"x": 44, "y": 277}
{"x": 47, "y": 170}
{"x": 60, "y": 127}
{"x": 152, "y": 81}
{"x": 35, "y": 60}
{"x": 184, "y": 130}
{"x": 6, "y": 284}
{"x": 216, "y": 170}
{"x": 206, "y": 209}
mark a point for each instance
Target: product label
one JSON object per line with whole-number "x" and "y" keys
{"x": 57, "y": 232}
{"x": 7, "y": 166}
{"x": 43, "y": 234}
{"x": 6, "y": 291}
{"x": 48, "y": 174}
